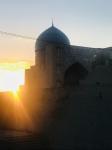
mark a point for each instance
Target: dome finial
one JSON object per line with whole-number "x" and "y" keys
{"x": 52, "y": 23}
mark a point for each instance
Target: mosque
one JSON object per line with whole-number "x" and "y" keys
{"x": 58, "y": 64}
{"x": 70, "y": 90}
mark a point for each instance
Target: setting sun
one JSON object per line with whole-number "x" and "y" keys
{"x": 12, "y": 75}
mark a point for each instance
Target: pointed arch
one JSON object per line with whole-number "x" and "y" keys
{"x": 74, "y": 74}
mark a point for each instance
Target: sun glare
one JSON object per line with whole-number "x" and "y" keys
{"x": 15, "y": 95}
{"x": 12, "y": 76}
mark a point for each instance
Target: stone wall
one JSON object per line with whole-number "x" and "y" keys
{"x": 82, "y": 118}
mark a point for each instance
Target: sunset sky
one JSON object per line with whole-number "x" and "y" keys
{"x": 85, "y": 22}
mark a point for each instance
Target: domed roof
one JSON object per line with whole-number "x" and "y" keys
{"x": 51, "y": 35}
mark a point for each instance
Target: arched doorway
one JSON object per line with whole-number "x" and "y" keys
{"x": 74, "y": 73}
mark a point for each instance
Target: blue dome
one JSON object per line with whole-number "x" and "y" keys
{"x": 51, "y": 35}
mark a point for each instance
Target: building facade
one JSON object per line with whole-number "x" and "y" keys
{"x": 57, "y": 63}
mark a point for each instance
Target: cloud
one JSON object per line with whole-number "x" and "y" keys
{"x": 15, "y": 64}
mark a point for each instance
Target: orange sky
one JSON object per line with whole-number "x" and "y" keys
{"x": 12, "y": 74}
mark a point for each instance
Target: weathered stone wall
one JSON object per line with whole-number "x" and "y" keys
{"x": 82, "y": 120}
{"x": 53, "y": 61}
